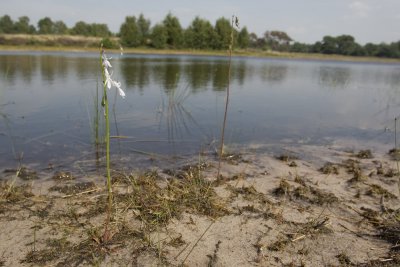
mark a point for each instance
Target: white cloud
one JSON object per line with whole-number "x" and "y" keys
{"x": 360, "y": 9}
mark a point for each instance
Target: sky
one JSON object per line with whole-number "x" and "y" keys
{"x": 305, "y": 21}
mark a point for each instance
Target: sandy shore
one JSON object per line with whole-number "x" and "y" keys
{"x": 311, "y": 206}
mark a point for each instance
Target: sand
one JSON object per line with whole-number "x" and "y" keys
{"x": 309, "y": 206}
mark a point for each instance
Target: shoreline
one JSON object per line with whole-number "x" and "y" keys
{"x": 190, "y": 52}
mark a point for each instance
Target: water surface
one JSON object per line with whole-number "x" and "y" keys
{"x": 174, "y": 104}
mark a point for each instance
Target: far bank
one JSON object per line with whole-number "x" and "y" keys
{"x": 24, "y": 42}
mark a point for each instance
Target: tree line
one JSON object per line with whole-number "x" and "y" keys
{"x": 200, "y": 34}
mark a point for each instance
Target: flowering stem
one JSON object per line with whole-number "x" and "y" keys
{"x": 108, "y": 82}
{"x": 107, "y": 140}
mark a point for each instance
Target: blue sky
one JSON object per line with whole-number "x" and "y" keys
{"x": 304, "y": 20}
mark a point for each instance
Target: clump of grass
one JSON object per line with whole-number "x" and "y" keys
{"x": 27, "y": 174}
{"x": 286, "y": 157}
{"x": 11, "y": 193}
{"x": 155, "y": 205}
{"x": 279, "y": 244}
{"x": 87, "y": 252}
{"x": 329, "y": 168}
{"x": 375, "y": 189}
{"x": 353, "y": 167}
{"x": 394, "y": 153}
{"x": 283, "y": 189}
{"x": 390, "y": 231}
{"x": 303, "y": 192}
{"x": 344, "y": 259}
{"x": 234, "y": 158}
{"x": 63, "y": 176}
{"x": 248, "y": 192}
{"x": 182, "y": 172}
{"x": 313, "y": 195}
{"x": 54, "y": 249}
{"x": 371, "y": 215}
{"x": 176, "y": 241}
{"x": 391, "y": 173}
{"x": 292, "y": 164}
{"x": 364, "y": 154}
{"x": 320, "y": 197}
{"x": 316, "y": 226}
{"x": 299, "y": 180}
{"x": 73, "y": 189}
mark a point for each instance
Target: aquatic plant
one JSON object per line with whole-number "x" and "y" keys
{"x": 108, "y": 82}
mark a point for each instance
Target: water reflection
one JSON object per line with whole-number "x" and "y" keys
{"x": 198, "y": 75}
{"x": 166, "y": 72}
{"x": 136, "y": 73}
{"x": 274, "y": 72}
{"x": 334, "y": 77}
{"x": 220, "y": 77}
{"x": 21, "y": 68}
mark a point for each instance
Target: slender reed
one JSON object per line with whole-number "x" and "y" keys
{"x": 234, "y": 22}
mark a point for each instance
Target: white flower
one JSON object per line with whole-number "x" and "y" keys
{"x": 109, "y": 82}
{"x": 118, "y": 86}
{"x": 106, "y": 62}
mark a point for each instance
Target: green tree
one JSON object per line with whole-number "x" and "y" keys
{"x": 277, "y": 40}
{"x": 45, "y": 26}
{"x": 174, "y": 31}
{"x": 317, "y": 47}
{"x": 256, "y": 42}
{"x": 81, "y": 28}
{"x": 300, "y": 48}
{"x": 144, "y": 29}
{"x": 346, "y": 45}
{"x": 243, "y": 38}
{"x": 99, "y": 30}
{"x": 130, "y": 33}
{"x": 329, "y": 45}
{"x": 60, "y": 27}
{"x": 371, "y": 49}
{"x": 223, "y": 33}
{"x": 199, "y": 34}
{"x": 22, "y": 25}
{"x": 6, "y": 24}
{"x": 388, "y": 50}
{"x": 159, "y": 36}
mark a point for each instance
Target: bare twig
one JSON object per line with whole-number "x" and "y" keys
{"x": 221, "y": 149}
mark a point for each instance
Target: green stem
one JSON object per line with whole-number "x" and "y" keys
{"x": 109, "y": 186}
{"x": 107, "y": 137}
{"x": 96, "y": 119}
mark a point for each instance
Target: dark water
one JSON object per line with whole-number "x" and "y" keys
{"x": 174, "y": 104}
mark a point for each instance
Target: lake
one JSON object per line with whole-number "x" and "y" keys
{"x": 174, "y": 105}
